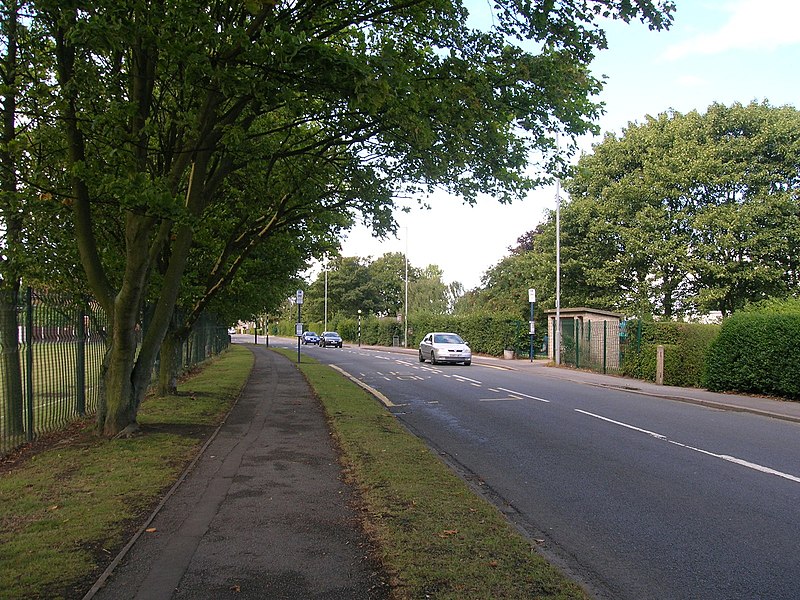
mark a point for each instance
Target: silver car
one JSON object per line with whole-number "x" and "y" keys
{"x": 442, "y": 347}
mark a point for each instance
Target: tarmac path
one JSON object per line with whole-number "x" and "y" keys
{"x": 263, "y": 513}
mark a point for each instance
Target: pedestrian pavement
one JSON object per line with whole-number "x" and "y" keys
{"x": 264, "y": 512}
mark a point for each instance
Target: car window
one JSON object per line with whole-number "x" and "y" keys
{"x": 449, "y": 338}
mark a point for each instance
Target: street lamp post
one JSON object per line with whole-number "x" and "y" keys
{"x": 405, "y": 304}
{"x": 557, "y": 331}
{"x": 325, "y": 311}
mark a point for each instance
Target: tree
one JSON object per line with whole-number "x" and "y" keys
{"x": 25, "y": 215}
{"x": 11, "y": 216}
{"x": 429, "y": 294}
{"x": 688, "y": 212}
{"x": 504, "y": 286}
{"x": 163, "y": 102}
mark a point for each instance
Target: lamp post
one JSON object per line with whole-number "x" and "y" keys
{"x": 359, "y": 328}
{"x": 557, "y": 332}
{"x": 325, "y": 311}
{"x": 405, "y": 304}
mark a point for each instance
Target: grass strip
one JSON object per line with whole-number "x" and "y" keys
{"x": 437, "y": 538}
{"x": 67, "y": 510}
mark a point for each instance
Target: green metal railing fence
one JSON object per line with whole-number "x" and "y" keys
{"x": 593, "y": 345}
{"x": 52, "y": 348}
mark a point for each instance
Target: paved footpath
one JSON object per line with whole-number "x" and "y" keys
{"x": 263, "y": 513}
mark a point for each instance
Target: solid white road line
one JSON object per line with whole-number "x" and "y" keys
{"x": 725, "y": 457}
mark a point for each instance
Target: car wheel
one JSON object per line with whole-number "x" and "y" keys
{"x": 433, "y": 357}
{"x": 421, "y": 357}
{"x": 467, "y": 363}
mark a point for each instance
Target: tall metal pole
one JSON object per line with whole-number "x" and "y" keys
{"x": 405, "y": 305}
{"x": 325, "y": 268}
{"x": 557, "y": 332}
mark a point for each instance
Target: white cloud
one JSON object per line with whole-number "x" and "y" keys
{"x": 750, "y": 25}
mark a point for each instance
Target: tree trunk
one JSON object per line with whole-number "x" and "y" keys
{"x": 168, "y": 365}
{"x": 11, "y": 365}
{"x": 119, "y": 398}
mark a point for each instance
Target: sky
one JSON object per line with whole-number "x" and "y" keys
{"x": 722, "y": 51}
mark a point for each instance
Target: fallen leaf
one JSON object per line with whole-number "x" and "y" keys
{"x": 151, "y": 530}
{"x": 235, "y": 588}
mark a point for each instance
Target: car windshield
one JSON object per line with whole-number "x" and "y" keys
{"x": 447, "y": 338}
{"x": 331, "y": 334}
{"x": 310, "y": 333}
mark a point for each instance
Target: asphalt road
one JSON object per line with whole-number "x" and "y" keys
{"x": 635, "y": 497}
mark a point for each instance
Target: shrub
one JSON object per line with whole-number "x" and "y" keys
{"x": 758, "y": 351}
{"x": 685, "y": 348}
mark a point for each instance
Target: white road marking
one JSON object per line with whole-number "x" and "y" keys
{"x": 725, "y": 457}
{"x": 524, "y": 395}
{"x": 462, "y": 378}
{"x": 621, "y": 424}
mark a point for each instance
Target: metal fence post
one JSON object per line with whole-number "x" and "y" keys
{"x": 605, "y": 345}
{"x": 29, "y": 362}
{"x": 80, "y": 362}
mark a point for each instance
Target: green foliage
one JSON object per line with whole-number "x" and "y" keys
{"x": 682, "y": 214}
{"x": 686, "y": 346}
{"x": 377, "y": 288}
{"x": 757, "y": 352}
{"x": 189, "y": 135}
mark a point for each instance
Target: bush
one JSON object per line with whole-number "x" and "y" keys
{"x": 758, "y": 351}
{"x": 685, "y": 349}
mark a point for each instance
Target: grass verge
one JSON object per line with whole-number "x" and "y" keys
{"x": 67, "y": 510}
{"x": 436, "y": 537}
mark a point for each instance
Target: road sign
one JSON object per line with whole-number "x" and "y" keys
{"x": 298, "y": 329}
{"x": 531, "y": 295}
{"x": 299, "y": 296}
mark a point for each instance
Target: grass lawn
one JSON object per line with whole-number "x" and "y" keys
{"x": 66, "y": 511}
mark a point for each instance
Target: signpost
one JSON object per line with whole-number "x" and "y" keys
{"x": 532, "y": 302}
{"x": 299, "y": 326}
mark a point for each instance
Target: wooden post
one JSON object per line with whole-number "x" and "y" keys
{"x": 660, "y": 365}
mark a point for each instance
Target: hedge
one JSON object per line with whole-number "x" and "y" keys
{"x": 685, "y": 351}
{"x": 758, "y": 351}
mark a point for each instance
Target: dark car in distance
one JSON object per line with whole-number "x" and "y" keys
{"x": 330, "y": 338}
